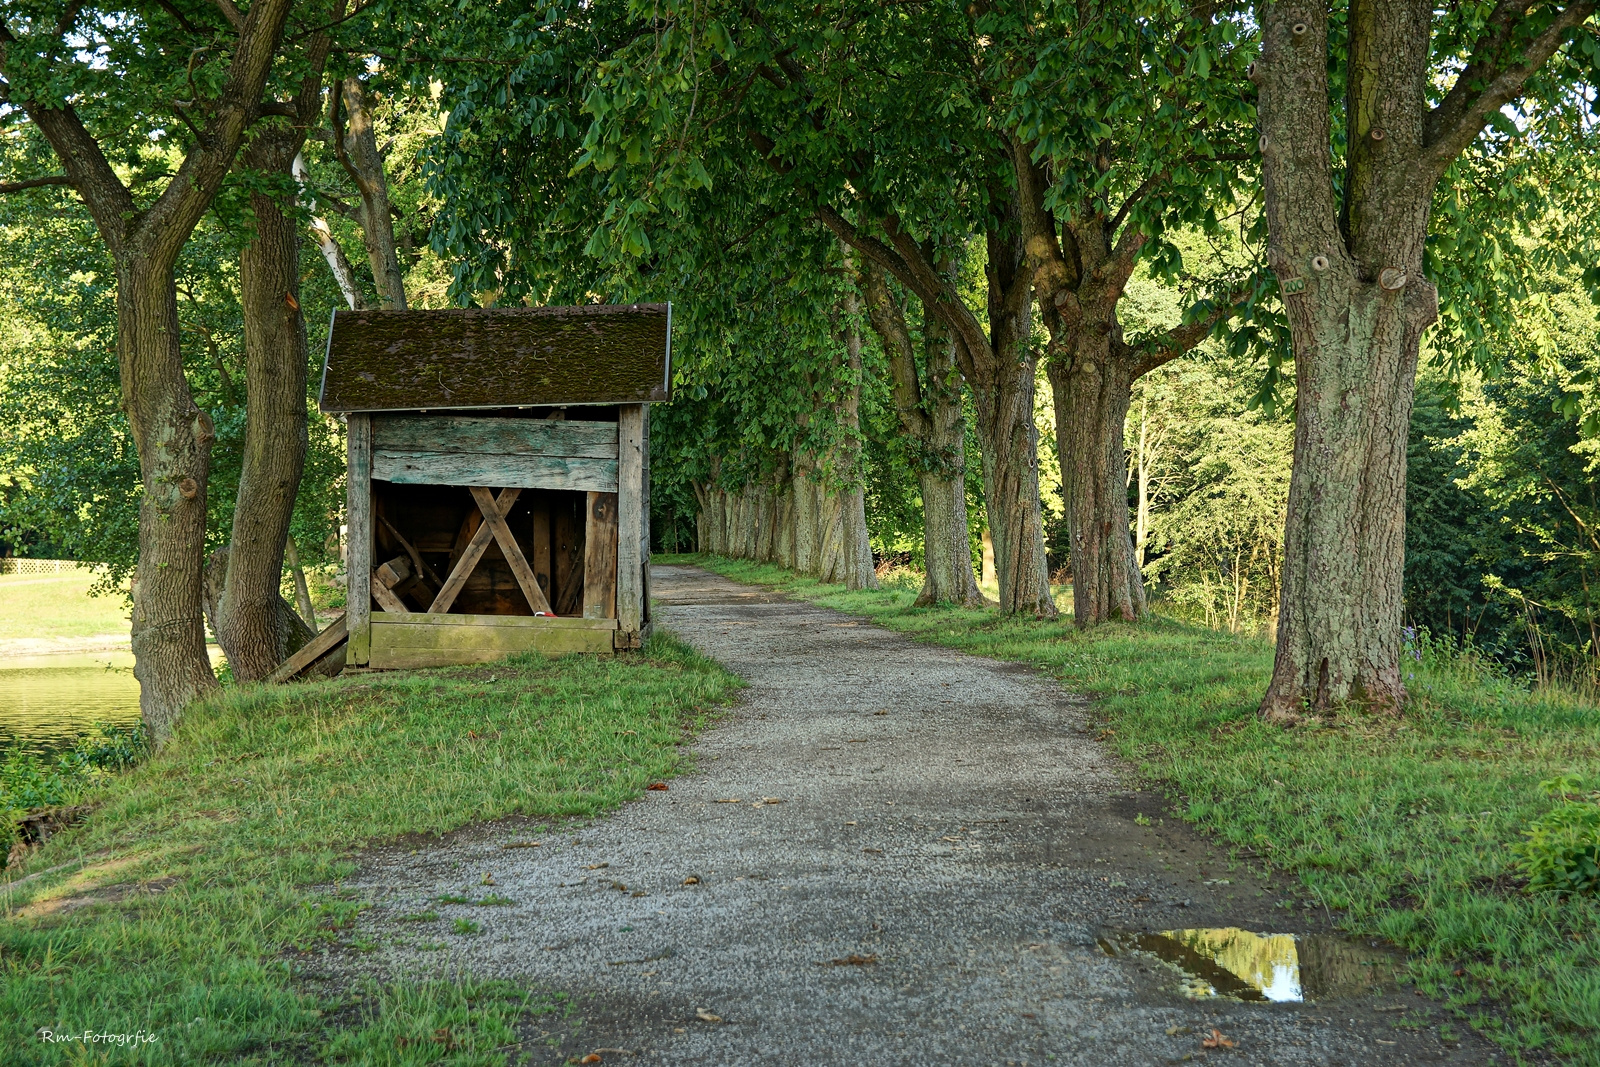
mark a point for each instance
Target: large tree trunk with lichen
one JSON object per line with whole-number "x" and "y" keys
{"x": 1344, "y": 539}
{"x": 1092, "y": 390}
{"x": 173, "y": 437}
{"x": 1350, "y": 273}
{"x": 251, "y": 624}
{"x": 928, "y": 406}
{"x": 854, "y": 565}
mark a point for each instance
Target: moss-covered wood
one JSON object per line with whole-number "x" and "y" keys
{"x": 496, "y": 357}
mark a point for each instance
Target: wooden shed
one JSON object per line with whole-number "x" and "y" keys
{"x": 499, "y": 483}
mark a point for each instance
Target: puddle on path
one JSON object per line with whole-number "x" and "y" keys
{"x": 1240, "y": 965}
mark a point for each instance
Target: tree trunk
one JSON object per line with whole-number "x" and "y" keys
{"x": 173, "y": 438}
{"x": 855, "y": 544}
{"x": 1092, "y": 392}
{"x": 1350, "y": 272}
{"x": 358, "y": 150}
{"x": 928, "y": 405}
{"x": 1079, "y": 275}
{"x": 1344, "y": 538}
{"x": 302, "y": 591}
{"x": 250, "y": 624}
{"x": 332, "y": 252}
{"x": 1002, "y": 393}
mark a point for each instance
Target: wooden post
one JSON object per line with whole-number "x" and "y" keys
{"x": 358, "y": 547}
{"x": 632, "y": 521}
{"x": 600, "y": 557}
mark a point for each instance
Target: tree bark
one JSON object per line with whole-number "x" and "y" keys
{"x": 357, "y": 144}
{"x": 1349, "y": 264}
{"x": 250, "y": 625}
{"x": 173, "y": 437}
{"x": 928, "y": 406}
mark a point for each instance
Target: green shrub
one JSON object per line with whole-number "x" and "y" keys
{"x": 1562, "y": 850}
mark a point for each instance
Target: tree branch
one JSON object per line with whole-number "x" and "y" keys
{"x": 1164, "y": 348}
{"x": 1494, "y": 76}
{"x": 231, "y": 13}
{"x": 34, "y": 183}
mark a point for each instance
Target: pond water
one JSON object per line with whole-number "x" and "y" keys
{"x": 48, "y": 702}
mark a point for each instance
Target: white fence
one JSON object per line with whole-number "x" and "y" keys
{"x": 14, "y": 565}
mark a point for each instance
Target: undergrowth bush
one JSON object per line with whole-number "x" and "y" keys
{"x": 1561, "y": 852}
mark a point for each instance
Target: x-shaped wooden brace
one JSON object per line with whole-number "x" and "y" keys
{"x": 494, "y": 509}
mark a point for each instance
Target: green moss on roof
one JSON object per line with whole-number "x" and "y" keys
{"x": 496, "y": 357}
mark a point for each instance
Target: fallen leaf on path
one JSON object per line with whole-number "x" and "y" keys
{"x": 949, "y": 839}
{"x": 596, "y": 866}
{"x": 707, "y": 1017}
{"x": 593, "y": 1057}
{"x": 855, "y": 740}
{"x": 1216, "y": 1040}
{"x": 772, "y": 800}
{"x": 659, "y": 786}
{"x": 731, "y": 800}
{"x": 1174, "y": 1031}
{"x": 693, "y": 879}
{"x": 872, "y": 850}
{"x": 520, "y": 844}
{"x": 855, "y": 959}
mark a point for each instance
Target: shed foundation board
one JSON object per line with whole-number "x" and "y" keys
{"x": 415, "y": 639}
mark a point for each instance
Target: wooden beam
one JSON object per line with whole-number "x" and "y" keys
{"x": 392, "y": 573}
{"x": 387, "y": 600}
{"x": 311, "y": 651}
{"x": 494, "y": 437}
{"x": 472, "y": 553}
{"x": 358, "y": 539}
{"x": 600, "y": 557}
{"x": 421, "y": 565}
{"x": 475, "y": 468}
{"x": 493, "y": 519}
{"x": 631, "y": 521}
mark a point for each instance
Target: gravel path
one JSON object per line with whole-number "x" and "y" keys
{"x": 924, "y": 851}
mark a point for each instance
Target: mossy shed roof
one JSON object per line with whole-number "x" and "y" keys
{"x": 497, "y": 357}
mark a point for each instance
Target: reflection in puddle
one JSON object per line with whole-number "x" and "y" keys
{"x": 1234, "y": 963}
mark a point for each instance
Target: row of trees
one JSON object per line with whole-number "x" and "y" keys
{"x": 972, "y": 187}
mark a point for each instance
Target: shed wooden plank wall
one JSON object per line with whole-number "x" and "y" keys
{"x": 495, "y": 453}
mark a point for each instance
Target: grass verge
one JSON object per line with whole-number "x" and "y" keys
{"x": 181, "y": 908}
{"x": 1402, "y": 827}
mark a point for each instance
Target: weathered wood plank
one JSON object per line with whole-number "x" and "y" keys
{"x": 496, "y": 471}
{"x": 511, "y": 550}
{"x": 515, "y": 622}
{"x": 495, "y": 437}
{"x": 600, "y": 557}
{"x": 630, "y": 520}
{"x": 471, "y": 554}
{"x": 387, "y": 600}
{"x": 421, "y": 641}
{"x": 644, "y": 521}
{"x": 556, "y": 643}
{"x": 358, "y": 538}
{"x": 311, "y": 651}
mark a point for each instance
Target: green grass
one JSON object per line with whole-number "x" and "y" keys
{"x": 58, "y": 606}
{"x": 1402, "y": 828}
{"x": 264, "y": 795}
